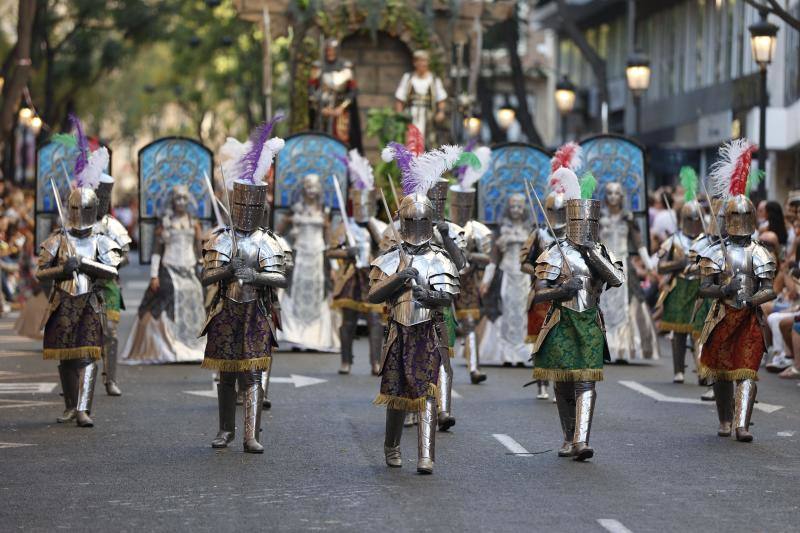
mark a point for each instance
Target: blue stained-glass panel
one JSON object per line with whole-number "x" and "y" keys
{"x": 511, "y": 164}
{"x": 616, "y": 159}
{"x": 309, "y": 153}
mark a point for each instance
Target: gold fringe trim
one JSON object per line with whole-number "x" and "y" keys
{"x": 474, "y": 314}
{"x": 237, "y": 365}
{"x": 451, "y": 352}
{"x": 81, "y": 352}
{"x": 727, "y": 375}
{"x": 531, "y": 339}
{"x": 554, "y": 374}
{"x": 355, "y": 305}
{"x": 407, "y": 404}
{"x": 113, "y": 315}
{"x": 676, "y": 327}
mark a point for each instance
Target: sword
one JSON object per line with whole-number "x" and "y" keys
{"x": 530, "y": 204}
{"x": 403, "y": 256}
{"x": 214, "y": 199}
{"x": 343, "y": 210}
{"x": 394, "y": 193}
{"x": 70, "y": 248}
{"x": 719, "y": 230}
{"x": 550, "y": 227}
{"x": 234, "y": 241}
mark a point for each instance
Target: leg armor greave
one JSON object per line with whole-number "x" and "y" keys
{"x": 87, "y": 376}
{"x": 723, "y": 396}
{"x": 746, "y": 391}
{"x": 542, "y": 386}
{"x": 678, "y": 356}
{"x": 347, "y": 333}
{"x": 250, "y": 383}
{"x": 565, "y": 401}
{"x": 473, "y": 358}
{"x": 394, "y": 431}
{"x": 226, "y": 400}
{"x": 265, "y": 386}
{"x": 68, "y": 376}
{"x": 426, "y": 437}
{"x": 585, "y": 397}
{"x": 375, "y": 341}
{"x": 446, "y": 419}
{"x": 110, "y": 350}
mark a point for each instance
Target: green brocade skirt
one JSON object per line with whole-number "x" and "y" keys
{"x": 700, "y": 314}
{"x": 112, "y": 297}
{"x": 679, "y": 306}
{"x": 572, "y": 349}
{"x": 450, "y": 323}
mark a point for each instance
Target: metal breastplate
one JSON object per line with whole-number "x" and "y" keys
{"x": 247, "y": 249}
{"x": 681, "y": 246}
{"x": 589, "y": 295}
{"x": 739, "y": 266}
{"x": 335, "y": 82}
{"x": 84, "y": 247}
{"x": 364, "y": 244}
{"x": 405, "y": 309}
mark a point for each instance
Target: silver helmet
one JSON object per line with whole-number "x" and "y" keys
{"x": 81, "y": 209}
{"x": 555, "y": 209}
{"x": 740, "y": 216}
{"x": 247, "y": 207}
{"x": 583, "y": 221}
{"x": 103, "y": 192}
{"x": 692, "y": 218}
{"x": 416, "y": 219}
{"x": 438, "y": 197}
{"x": 362, "y": 202}
{"x": 461, "y": 204}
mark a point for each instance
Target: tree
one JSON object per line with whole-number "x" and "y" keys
{"x": 17, "y": 68}
{"x": 775, "y": 8}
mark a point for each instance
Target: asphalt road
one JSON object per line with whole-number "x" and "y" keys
{"x": 147, "y": 463}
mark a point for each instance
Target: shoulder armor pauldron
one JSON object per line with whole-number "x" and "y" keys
{"x": 108, "y": 251}
{"x": 763, "y": 262}
{"x": 388, "y": 262}
{"x": 220, "y": 242}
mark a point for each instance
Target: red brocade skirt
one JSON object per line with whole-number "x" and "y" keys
{"x": 734, "y": 347}
{"x": 536, "y": 315}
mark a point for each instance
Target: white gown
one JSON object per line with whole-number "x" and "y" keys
{"x": 307, "y": 320}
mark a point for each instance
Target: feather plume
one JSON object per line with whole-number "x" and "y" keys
{"x": 395, "y": 151}
{"x": 94, "y": 169}
{"x": 565, "y": 181}
{"x": 82, "y": 143}
{"x": 753, "y": 180}
{"x": 470, "y": 175}
{"x": 229, "y": 156}
{"x": 65, "y": 139}
{"x": 728, "y": 176}
{"x": 414, "y": 140}
{"x": 254, "y": 165}
{"x": 689, "y": 183}
{"x": 428, "y": 168}
{"x": 568, "y": 156}
{"x": 588, "y": 184}
{"x": 361, "y": 176}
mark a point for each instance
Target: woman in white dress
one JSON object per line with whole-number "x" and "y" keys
{"x": 307, "y": 320}
{"x": 505, "y": 326}
{"x": 171, "y": 313}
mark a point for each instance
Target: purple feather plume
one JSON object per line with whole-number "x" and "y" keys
{"x": 459, "y": 172}
{"x": 404, "y": 158}
{"x": 83, "y": 144}
{"x": 249, "y": 161}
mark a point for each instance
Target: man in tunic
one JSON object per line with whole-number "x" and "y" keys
{"x": 422, "y": 95}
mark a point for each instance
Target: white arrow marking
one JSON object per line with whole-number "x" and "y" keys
{"x": 27, "y": 388}
{"x": 614, "y": 526}
{"x": 14, "y": 404}
{"x": 786, "y": 433}
{"x": 657, "y": 396}
{"x": 511, "y": 445}
{"x": 298, "y": 381}
{"x": 14, "y": 445}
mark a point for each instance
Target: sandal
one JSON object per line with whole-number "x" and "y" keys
{"x": 790, "y": 373}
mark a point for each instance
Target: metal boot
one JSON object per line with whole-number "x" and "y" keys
{"x": 411, "y": 419}
{"x": 446, "y": 420}
{"x": 394, "y": 431}
{"x": 86, "y": 380}
{"x": 585, "y": 397}
{"x": 267, "y": 404}
{"x": 226, "y": 402}
{"x": 69, "y": 387}
{"x": 565, "y": 401}
{"x": 746, "y": 391}
{"x": 723, "y": 395}
{"x": 678, "y": 357}
{"x": 375, "y": 342}
{"x": 253, "y": 398}
{"x": 542, "y": 394}
{"x": 471, "y": 353}
{"x": 426, "y": 437}
{"x": 347, "y": 333}
{"x": 110, "y": 350}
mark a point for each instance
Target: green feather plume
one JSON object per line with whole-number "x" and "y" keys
{"x": 66, "y": 139}
{"x": 753, "y": 180}
{"x": 468, "y": 158}
{"x": 588, "y": 185}
{"x": 689, "y": 182}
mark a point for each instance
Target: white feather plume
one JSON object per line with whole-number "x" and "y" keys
{"x": 271, "y": 148}
{"x": 387, "y": 154}
{"x": 428, "y": 168}
{"x": 229, "y": 155}
{"x": 565, "y": 181}
{"x": 95, "y": 168}
{"x": 361, "y": 174}
{"x": 471, "y": 175}
{"x": 721, "y": 172}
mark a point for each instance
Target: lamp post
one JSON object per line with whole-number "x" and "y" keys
{"x": 565, "y": 103}
{"x": 637, "y": 74}
{"x": 762, "y": 44}
{"x": 506, "y": 115}
{"x": 472, "y": 126}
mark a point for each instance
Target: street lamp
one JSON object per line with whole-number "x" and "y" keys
{"x": 637, "y": 74}
{"x": 25, "y": 115}
{"x": 506, "y": 115}
{"x": 762, "y": 44}
{"x": 565, "y": 102}
{"x": 472, "y": 125}
{"x": 36, "y": 125}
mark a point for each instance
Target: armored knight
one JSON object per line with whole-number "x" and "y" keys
{"x": 171, "y": 312}
{"x": 737, "y": 273}
{"x": 571, "y": 348}
{"x": 629, "y": 325}
{"x": 333, "y": 106}
{"x": 415, "y": 346}
{"x": 356, "y": 244}
{"x": 478, "y": 239}
{"x": 75, "y": 258}
{"x": 247, "y": 265}
{"x": 568, "y": 157}
{"x": 422, "y": 95}
{"x": 682, "y": 277}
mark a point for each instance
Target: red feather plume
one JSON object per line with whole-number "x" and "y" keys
{"x": 567, "y": 156}
{"x": 414, "y": 141}
{"x": 741, "y": 171}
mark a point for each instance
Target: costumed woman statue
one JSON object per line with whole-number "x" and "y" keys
{"x": 571, "y": 347}
{"x": 737, "y": 273}
{"x": 357, "y": 246}
{"x": 503, "y": 339}
{"x": 629, "y": 326}
{"x": 247, "y": 264}
{"x": 171, "y": 313}
{"x": 422, "y": 95}
{"x": 682, "y": 281}
{"x": 417, "y": 280}
{"x": 540, "y": 239}
{"x": 75, "y": 258}
{"x": 307, "y": 320}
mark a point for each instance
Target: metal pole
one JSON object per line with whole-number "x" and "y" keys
{"x": 563, "y": 128}
{"x": 637, "y": 104}
{"x": 762, "y": 130}
{"x": 267, "y": 75}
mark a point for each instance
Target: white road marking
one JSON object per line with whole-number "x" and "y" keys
{"x": 511, "y": 445}
{"x": 15, "y": 404}
{"x": 657, "y": 396}
{"x": 4, "y": 445}
{"x": 27, "y": 388}
{"x": 18, "y": 353}
{"x": 297, "y": 381}
{"x": 6, "y": 326}
{"x": 614, "y": 526}
{"x": 786, "y": 433}
{"x": 134, "y": 285}
{"x": 17, "y": 338}
{"x": 455, "y": 394}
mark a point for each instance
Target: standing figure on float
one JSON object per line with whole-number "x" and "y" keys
{"x": 308, "y": 321}
{"x": 629, "y": 326}
{"x": 422, "y": 95}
